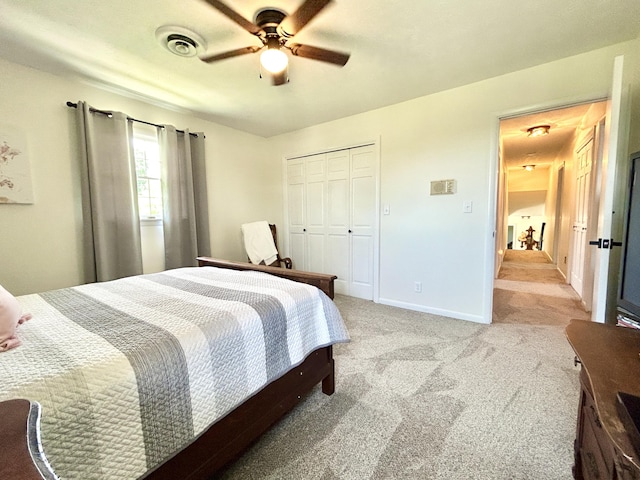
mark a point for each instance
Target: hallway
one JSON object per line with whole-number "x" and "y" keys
{"x": 530, "y": 290}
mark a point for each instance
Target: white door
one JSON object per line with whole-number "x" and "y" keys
{"x": 338, "y": 208}
{"x": 315, "y": 167}
{"x": 332, "y": 217}
{"x": 296, "y": 212}
{"x": 583, "y": 162}
{"x": 363, "y": 212}
{"x": 609, "y": 225}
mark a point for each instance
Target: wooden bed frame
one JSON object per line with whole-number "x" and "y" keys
{"x": 229, "y": 437}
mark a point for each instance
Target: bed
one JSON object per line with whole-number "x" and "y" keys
{"x": 171, "y": 375}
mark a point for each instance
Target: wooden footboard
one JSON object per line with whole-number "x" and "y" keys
{"x": 321, "y": 280}
{"x": 230, "y": 436}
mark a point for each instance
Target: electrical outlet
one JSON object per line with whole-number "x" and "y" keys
{"x": 417, "y": 287}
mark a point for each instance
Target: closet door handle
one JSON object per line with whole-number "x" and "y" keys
{"x": 304, "y": 229}
{"x": 349, "y": 231}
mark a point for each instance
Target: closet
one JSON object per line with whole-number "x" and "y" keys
{"x": 331, "y": 208}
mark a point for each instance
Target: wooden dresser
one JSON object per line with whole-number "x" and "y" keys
{"x": 610, "y": 364}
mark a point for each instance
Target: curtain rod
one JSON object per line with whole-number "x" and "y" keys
{"x": 103, "y": 112}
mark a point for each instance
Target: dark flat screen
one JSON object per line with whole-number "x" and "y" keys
{"x": 630, "y": 281}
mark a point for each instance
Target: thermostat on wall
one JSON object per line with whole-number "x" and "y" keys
{"x": 443, "y": 187}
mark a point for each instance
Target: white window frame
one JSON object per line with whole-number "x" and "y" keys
{"x": 147, "y": 133}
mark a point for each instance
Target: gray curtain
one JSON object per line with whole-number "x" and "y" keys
{"x": 109, "y": 196}
{"x": 184, "y": 197}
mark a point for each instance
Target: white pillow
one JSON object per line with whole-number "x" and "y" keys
{"x": 10, "y": 315}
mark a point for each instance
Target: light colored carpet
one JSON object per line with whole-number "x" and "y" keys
{"x": 530, "y": 290}
{"x": 425, "y": 397}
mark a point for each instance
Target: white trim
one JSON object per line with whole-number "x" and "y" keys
{"x": 434, "y": 311}
{"x": 145, "y": 131}
{"x": 376, "y": 236}
{"x": 284, "y": 245}
{"x": 332, "y": 149}
{"x": 616, "y": 145}
{"x": 551, "y": 106}
{"x": 150, "y": 221}
{"x": 492, "y": 205}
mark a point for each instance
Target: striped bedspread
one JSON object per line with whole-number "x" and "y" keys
{"x": 129, "y": 371}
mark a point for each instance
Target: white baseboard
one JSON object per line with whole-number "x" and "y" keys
{"x": 435, "y": 311}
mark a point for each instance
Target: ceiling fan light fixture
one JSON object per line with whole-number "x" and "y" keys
{"x": 274, "y": 28}
{"x": 274, "y": 60}
{"x": 538, "y": 130}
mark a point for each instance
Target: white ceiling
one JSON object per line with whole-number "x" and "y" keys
{"x": 519, "y": 149}
{"x": 399, "y": 50}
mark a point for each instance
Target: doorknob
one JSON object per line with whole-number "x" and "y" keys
{"x": 606, "y": 243}
{"x": 349, "y": 231}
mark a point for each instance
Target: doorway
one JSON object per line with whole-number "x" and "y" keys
{"x": 540, "y": 158}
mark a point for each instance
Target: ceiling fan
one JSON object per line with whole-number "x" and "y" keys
{"x": 275, "y": 29}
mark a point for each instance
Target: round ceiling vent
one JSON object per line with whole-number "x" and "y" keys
{"x": 180, "y": 41}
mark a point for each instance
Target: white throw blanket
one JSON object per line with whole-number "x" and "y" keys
{"x": 258, "y": 242}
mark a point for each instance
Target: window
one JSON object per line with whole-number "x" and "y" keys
{"x": 147, "y": 158}
{"x": 146, "y": 150}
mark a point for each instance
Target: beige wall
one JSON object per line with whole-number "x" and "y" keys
{"x": 557, "y": 242}
{"x": 527, "y": 200}
{"x": 40, "y": 244}
{"x": 521, "y": 180}
{"x": 453, "y": 134}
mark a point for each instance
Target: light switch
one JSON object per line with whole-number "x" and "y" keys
{"x": 385, "y": 209}
{"x": 467, "y": 206}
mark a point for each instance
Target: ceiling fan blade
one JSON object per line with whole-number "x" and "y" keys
{"x": 235, "y": 16}
{"x": 292, "y": 24}
{"x": 316, "y": 53}
{"x": 280, "y": 78}
{"x": 231, "y": 53}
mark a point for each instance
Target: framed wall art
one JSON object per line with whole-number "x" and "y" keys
{"x": 15, "y": 172}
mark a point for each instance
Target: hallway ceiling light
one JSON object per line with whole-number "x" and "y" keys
{"x": 538, "y": 130}
{"x": 529, "y": 168}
